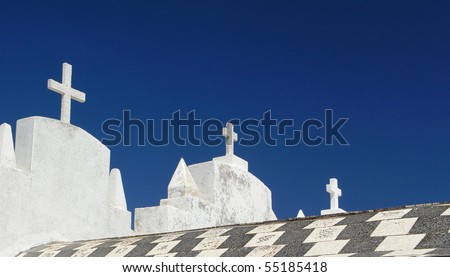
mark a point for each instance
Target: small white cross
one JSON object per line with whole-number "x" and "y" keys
{"x": 335, "y": 193}
{"x": 230, "y": 138}
{"x": 67, "y": 92}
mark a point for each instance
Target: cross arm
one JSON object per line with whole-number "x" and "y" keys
{"x": 61, "y": 89}
{"x": 334, "y": 189}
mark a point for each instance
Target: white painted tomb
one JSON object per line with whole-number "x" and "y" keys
{"x": 335, "y": 193}
{"x": 56, "y": 184}
{"x": 215, "y": 193}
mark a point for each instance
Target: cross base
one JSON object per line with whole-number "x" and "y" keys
{"x": 233, "y": 160}
{"x": 332, "y": 211}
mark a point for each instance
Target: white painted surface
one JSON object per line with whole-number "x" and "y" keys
{"x": 210, "y": 243}
{"x": 173, "y": 254}
{"x": 239, "y": 197}
{"x": 117, "y": 193}
{"x": 266, "y": 228}
{"x": 55, "y": 247}
{"x": 59, "y": 190}
{"x": 182, "y": 184}
{"x": 265, "y": 251}
{"x": 121, "y": 251}
{"x": 394, "y": 227}
{"x": 408, "y": 253}
{"x": 49, "y": 254}
{"x": 332, "y": 211}
{"x": 335, "y": 193}
{"x": 89, "y": 245}
{"x": 230, "y": 138}
{"x": 263, "y": 239}
{"x": 163, "y": 247}
{"x": 322, "y": 223}
{"x": 214, "y": 233}
{"x": 7, "y": 156}
{"x": 230, "y": 158}
{"x": 327, "y": 248}
{"x": 170, "y": 237}
{"x": 446, "y": 212}
{"x": 389, "y": 215}
{"x": 339, "y": 255}
{"x": 170, "y": 216}
{"x": 84, "y": 252}
{"x": 212, "y": 252}
{"x": 398, "y": 243}
{"x": 324, "y": 234}
{"x": 224, "y": 194}
{"x": 233, "y": 160}
{"x": 300, "y": 214}
{"x": 127, "y": 242}
{"x": 67, "y": 92}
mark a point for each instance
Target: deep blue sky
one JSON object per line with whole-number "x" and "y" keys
{"x": 385, "y": 65}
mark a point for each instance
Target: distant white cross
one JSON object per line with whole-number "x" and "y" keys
{"x": 335, "y": 193}
{"x": 230, "y": 138}
{"x": 67, "y": 92}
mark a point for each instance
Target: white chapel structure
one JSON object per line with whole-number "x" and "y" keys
{"x": 215, "y": 193}
{"x": 56, "y": 184}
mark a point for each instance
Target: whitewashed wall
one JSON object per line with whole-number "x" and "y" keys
{"x": 60, "y": 188}
{"x": 219, "y": 194}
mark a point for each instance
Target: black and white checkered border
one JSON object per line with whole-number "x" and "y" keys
{"x": 410, "y": 231}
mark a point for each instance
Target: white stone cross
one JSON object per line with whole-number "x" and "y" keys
{"x": 335, "y": 193}
{"x": 67, "y": 92}
{"x": 230, "y": 138}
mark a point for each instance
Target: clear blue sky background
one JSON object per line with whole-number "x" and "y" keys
{"x": 385, "y": 65}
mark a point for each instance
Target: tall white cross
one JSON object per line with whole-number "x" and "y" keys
{"x": 67, "y": 92}
{"x": 230, "y": 138}
{"x": 335, "y": 193}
